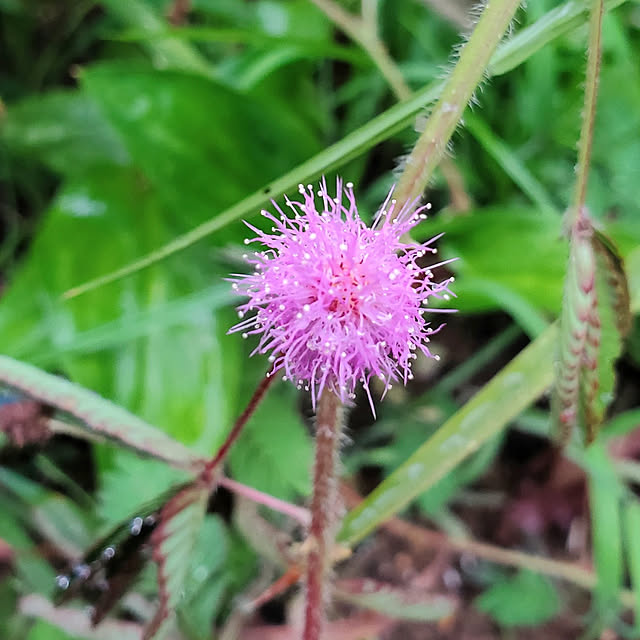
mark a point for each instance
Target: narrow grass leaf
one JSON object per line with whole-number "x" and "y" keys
{"x": 631, "y": 519}
{"x": 605, "y": 495}
{"x": 485, "y": 415}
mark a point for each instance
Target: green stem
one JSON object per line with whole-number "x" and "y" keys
{"x": 459, "y": 88}
{"x": 589, "y": 115}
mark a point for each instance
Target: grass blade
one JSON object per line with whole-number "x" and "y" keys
{"x": 631, "y": 531}
{"x": 485, "y": 415}
{"x": 605, "y": 495}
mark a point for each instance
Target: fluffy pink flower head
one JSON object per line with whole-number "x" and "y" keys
{"x": 337, "y": 302}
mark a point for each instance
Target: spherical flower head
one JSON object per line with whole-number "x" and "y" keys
{"x": 334, "y": 301}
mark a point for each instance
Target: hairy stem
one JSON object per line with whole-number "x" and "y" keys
{"x": 323, "y": 512}
{"x": 589, "y": 114}
{"x": 459, "y": 88}
{"x": 364, "y": 32}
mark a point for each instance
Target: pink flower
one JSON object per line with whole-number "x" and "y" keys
{"x": 337, "y": 302}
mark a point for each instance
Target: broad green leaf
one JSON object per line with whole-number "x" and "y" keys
{"x": 130, "y": 483}
{"x": 485, "y": 415}
{"x": 63, "y": 130}
{"x": 202, "y": 145}
{"x": 206, "y": 580}
{"x": 518, "y": 250}
{"x": 527, "y": 599}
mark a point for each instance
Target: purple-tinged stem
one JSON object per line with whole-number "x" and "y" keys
{"x": 211, "y": 468}
{"x": 324, "y": 510}
{"x": 293, "y": 511}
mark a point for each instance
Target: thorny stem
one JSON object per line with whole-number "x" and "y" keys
{"x": 213, "y": 466}
{"x": 589, "y": 114}
{"x": 324, "y": 508}
{"x": 458, "y": 91}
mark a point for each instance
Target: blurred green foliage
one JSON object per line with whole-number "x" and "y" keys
{"x": 118, "y": 134}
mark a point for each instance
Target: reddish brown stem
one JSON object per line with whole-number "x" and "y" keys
{"x": 215, "y": 463}
{"x": 323, "y": 513}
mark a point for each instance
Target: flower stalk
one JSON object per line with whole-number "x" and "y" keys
{"x": 585, "y": 144}
{"x": 577, "y": 379}
{"x": 324, "y": 512}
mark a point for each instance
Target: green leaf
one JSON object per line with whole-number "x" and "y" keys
{"x": 164, "y": 51}
{"x": 131, "y": 482}
{"x": 555, "y": 23}
{"x": 510, "y": 164}
{"x": 526, "y": 599}
{"x": 73, "y": 622}
{"x": 64, "y": 130}
{"x": 303, "y": 47}
{"x": 605, "y": 495}
{"x": 46, "y": 631}
{"x": 174, "y": 541}
{"x": 631, "y": 530}
{"x": 517, "y": 250}
{"x": 484, "y": 416}
{"x": 127, "y": 341}
{"x": 206, "y": 580}
{"x": 202, "y": 145}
